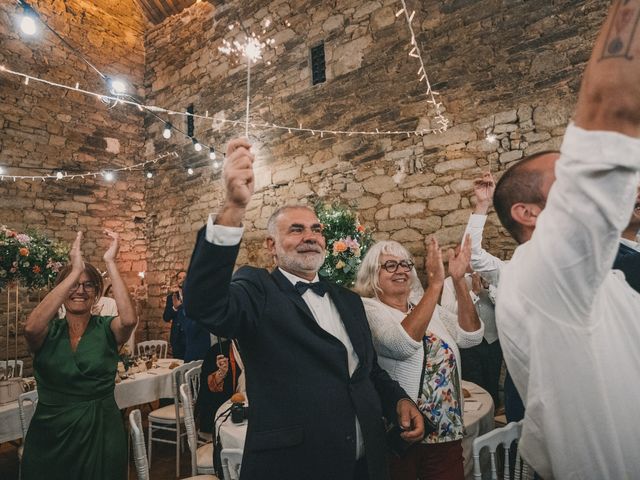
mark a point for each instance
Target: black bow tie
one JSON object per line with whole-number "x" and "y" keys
{"x": 316, "y": 287}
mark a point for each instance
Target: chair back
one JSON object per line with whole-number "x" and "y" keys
{"x": 231, "y": 463}
{"x": 139, "y": 452}
{"x": 192, "y": 378}
{"x": 148, "y": 348}
{"x": 12, "y": 368}
{"x": 507, "y": 437}
{"x": 189, "y": 423}
{"x": 27, "y": 402}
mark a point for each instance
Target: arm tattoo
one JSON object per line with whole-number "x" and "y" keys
{"x": 622, "y": 31}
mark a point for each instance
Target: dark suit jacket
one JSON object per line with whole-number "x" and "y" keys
{"x": 176, "y": 336}
{"x": 628, "y": 260}
{"x": 303, "y": 403}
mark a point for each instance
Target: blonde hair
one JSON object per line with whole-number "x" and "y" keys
{"x": 367, "y": 282}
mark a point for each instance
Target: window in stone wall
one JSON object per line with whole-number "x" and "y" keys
{"x": 318, "y": 67}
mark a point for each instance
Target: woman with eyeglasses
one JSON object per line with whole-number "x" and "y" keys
{"x": 417, "y": 344}
{"x": 77, "y": 430}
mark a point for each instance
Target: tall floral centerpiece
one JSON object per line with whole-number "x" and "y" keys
{"x": 347, "y": 242}
{"x": 32, "y": 259}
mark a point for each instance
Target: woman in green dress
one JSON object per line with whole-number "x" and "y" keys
{"x": 77, "y": 431}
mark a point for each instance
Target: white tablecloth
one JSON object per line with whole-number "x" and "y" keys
{"x": 478, "y": 419}
{"x": 140, "y": 389}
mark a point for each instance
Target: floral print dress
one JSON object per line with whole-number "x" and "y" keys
{"x": 441, "y": 392}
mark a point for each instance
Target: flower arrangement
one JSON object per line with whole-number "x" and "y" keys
{"x": 32, "y": 258}
{"x": 347, "y": 242}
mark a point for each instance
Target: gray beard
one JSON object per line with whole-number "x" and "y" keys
{"x": 311, "y": 262}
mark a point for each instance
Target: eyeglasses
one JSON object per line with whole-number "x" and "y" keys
{"x": 392, "y": 266}
{"x": 87, "y": 286}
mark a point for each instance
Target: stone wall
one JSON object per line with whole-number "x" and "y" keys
{"x": 44, "y": 129}
{"x": 509, "y": 68}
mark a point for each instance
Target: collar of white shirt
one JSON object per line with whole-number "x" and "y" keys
{"x": 295, "y": 279}
{"x": 631, "y": 244}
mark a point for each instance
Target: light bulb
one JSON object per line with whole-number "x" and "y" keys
{"x": 117, "y": 86}
{"x": 190, "y": 171}
{"x": 492, "y": 138}
{"x": 196, "y": 146}
{"x": 166, "y": 133}
{"x": 212, "y": 153}
{"x": 108, "y": 176}
{"x": 1, "y": 170}
{"x": 216, "y": 164}
{"x": 28, "y": 22}
{"x": 59, "y": 175}
{"x": 149, "y": 175}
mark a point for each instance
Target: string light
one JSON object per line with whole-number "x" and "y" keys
{"x": 196, "y": 145}
{"x": 212, "y": 153}
{"x": 166, "y": 132}
{"x": 216, "y": 164}
{"x": 442, "y": 121}
{"x": 28, "y": 18}
{"x": 190, "y": 171}
{"x": 108, "y": 176}
{"x": 149, "y": 174}
{"x": 117, "y": 86}
{"x": 491, "y": 138}
{"x": 263, "y": 126}
{"x": 66, "y": 176}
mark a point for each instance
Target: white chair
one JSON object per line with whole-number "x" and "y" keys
{"x": 507, "y": 437}
{"x": 139, "y": 453}
{"x": 26, "y": 408}
{"x": 27, "y": 402}
{"x": 201, "y": 457}
{"x": 159, "y": 347}
{"x": 231, "y": 463}
{"x": 171, "y": 417}
{"x": 13, "y": 368}
{"x": 192, "y": 378}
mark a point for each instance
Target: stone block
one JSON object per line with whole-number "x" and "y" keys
{"x": 461, "y": 185}
{"x": 393, "y": 197}
{"x": 406, "y": 210}
{"x": 407, "y": 235}
{"x": 379, "y": 184}
{"x": 425, "y": 192}
{"x": 457, "y": 134}
{"x": 510, "y": 156}
{"x": 509, "y": 116}
{"x": 459, "y": 217}
{"x": 391, "y": 225}
{"x": 452, "y": 165}
{"x": 445, "y": 203}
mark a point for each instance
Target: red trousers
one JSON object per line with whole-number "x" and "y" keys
{"x": 434, "y": 461}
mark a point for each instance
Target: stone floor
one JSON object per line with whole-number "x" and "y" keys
{"x": 162, "y": 468}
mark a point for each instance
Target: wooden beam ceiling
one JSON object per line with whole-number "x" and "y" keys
{"x": 157, "y": 10}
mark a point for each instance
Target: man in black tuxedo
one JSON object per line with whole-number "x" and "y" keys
{"x": 317, "y": 395}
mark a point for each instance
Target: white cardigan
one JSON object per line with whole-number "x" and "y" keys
{"x": 399, "y": 354}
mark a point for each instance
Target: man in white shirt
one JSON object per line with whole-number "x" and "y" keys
{"x": 317, "y": 393}
{"x": 568, "y": 323}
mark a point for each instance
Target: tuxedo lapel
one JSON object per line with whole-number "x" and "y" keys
{"x": 351, "y": 325}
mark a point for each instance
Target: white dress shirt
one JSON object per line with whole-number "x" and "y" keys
{"x": 323, "y": 309}
{"x": 570, "y": 326}
{"x": 483, "y": 303}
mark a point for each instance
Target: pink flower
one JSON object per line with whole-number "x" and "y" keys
{"x": 23, "y": 238}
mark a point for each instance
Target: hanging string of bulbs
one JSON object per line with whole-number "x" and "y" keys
{"x": 118, "y": 95}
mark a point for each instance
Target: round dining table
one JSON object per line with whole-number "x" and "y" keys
{"x": 478, "y": 420}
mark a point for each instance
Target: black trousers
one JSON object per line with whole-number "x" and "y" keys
{"x": 362, "y": 471}
{"x": 481, "y": 365}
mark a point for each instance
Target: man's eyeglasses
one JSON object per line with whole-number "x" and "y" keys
{"x": 392, "y": 266}
{"x": 87, "y": 286}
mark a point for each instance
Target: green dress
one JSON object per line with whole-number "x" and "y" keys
{"x": 77, "y": 431}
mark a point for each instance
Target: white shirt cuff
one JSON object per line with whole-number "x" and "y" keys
{"x": 222, "y": 235}
{"x": 601, "y": 147}
{"x": 477, "y": 221}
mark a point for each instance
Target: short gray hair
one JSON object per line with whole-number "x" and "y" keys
{"x": 273, "y": 219}
{"x": 367, "y": 283}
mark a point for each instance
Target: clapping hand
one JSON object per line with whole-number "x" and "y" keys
{"x": 459, "y": 259}
{"x": 112, "y": 251}
{"x": 75, "y": 254}
{"x": 483, "y": 189}
{"x": 433, "y": 263}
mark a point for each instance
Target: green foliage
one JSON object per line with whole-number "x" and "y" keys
{"x": 347, "y": 243}
{"x": 32, "y": 258}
